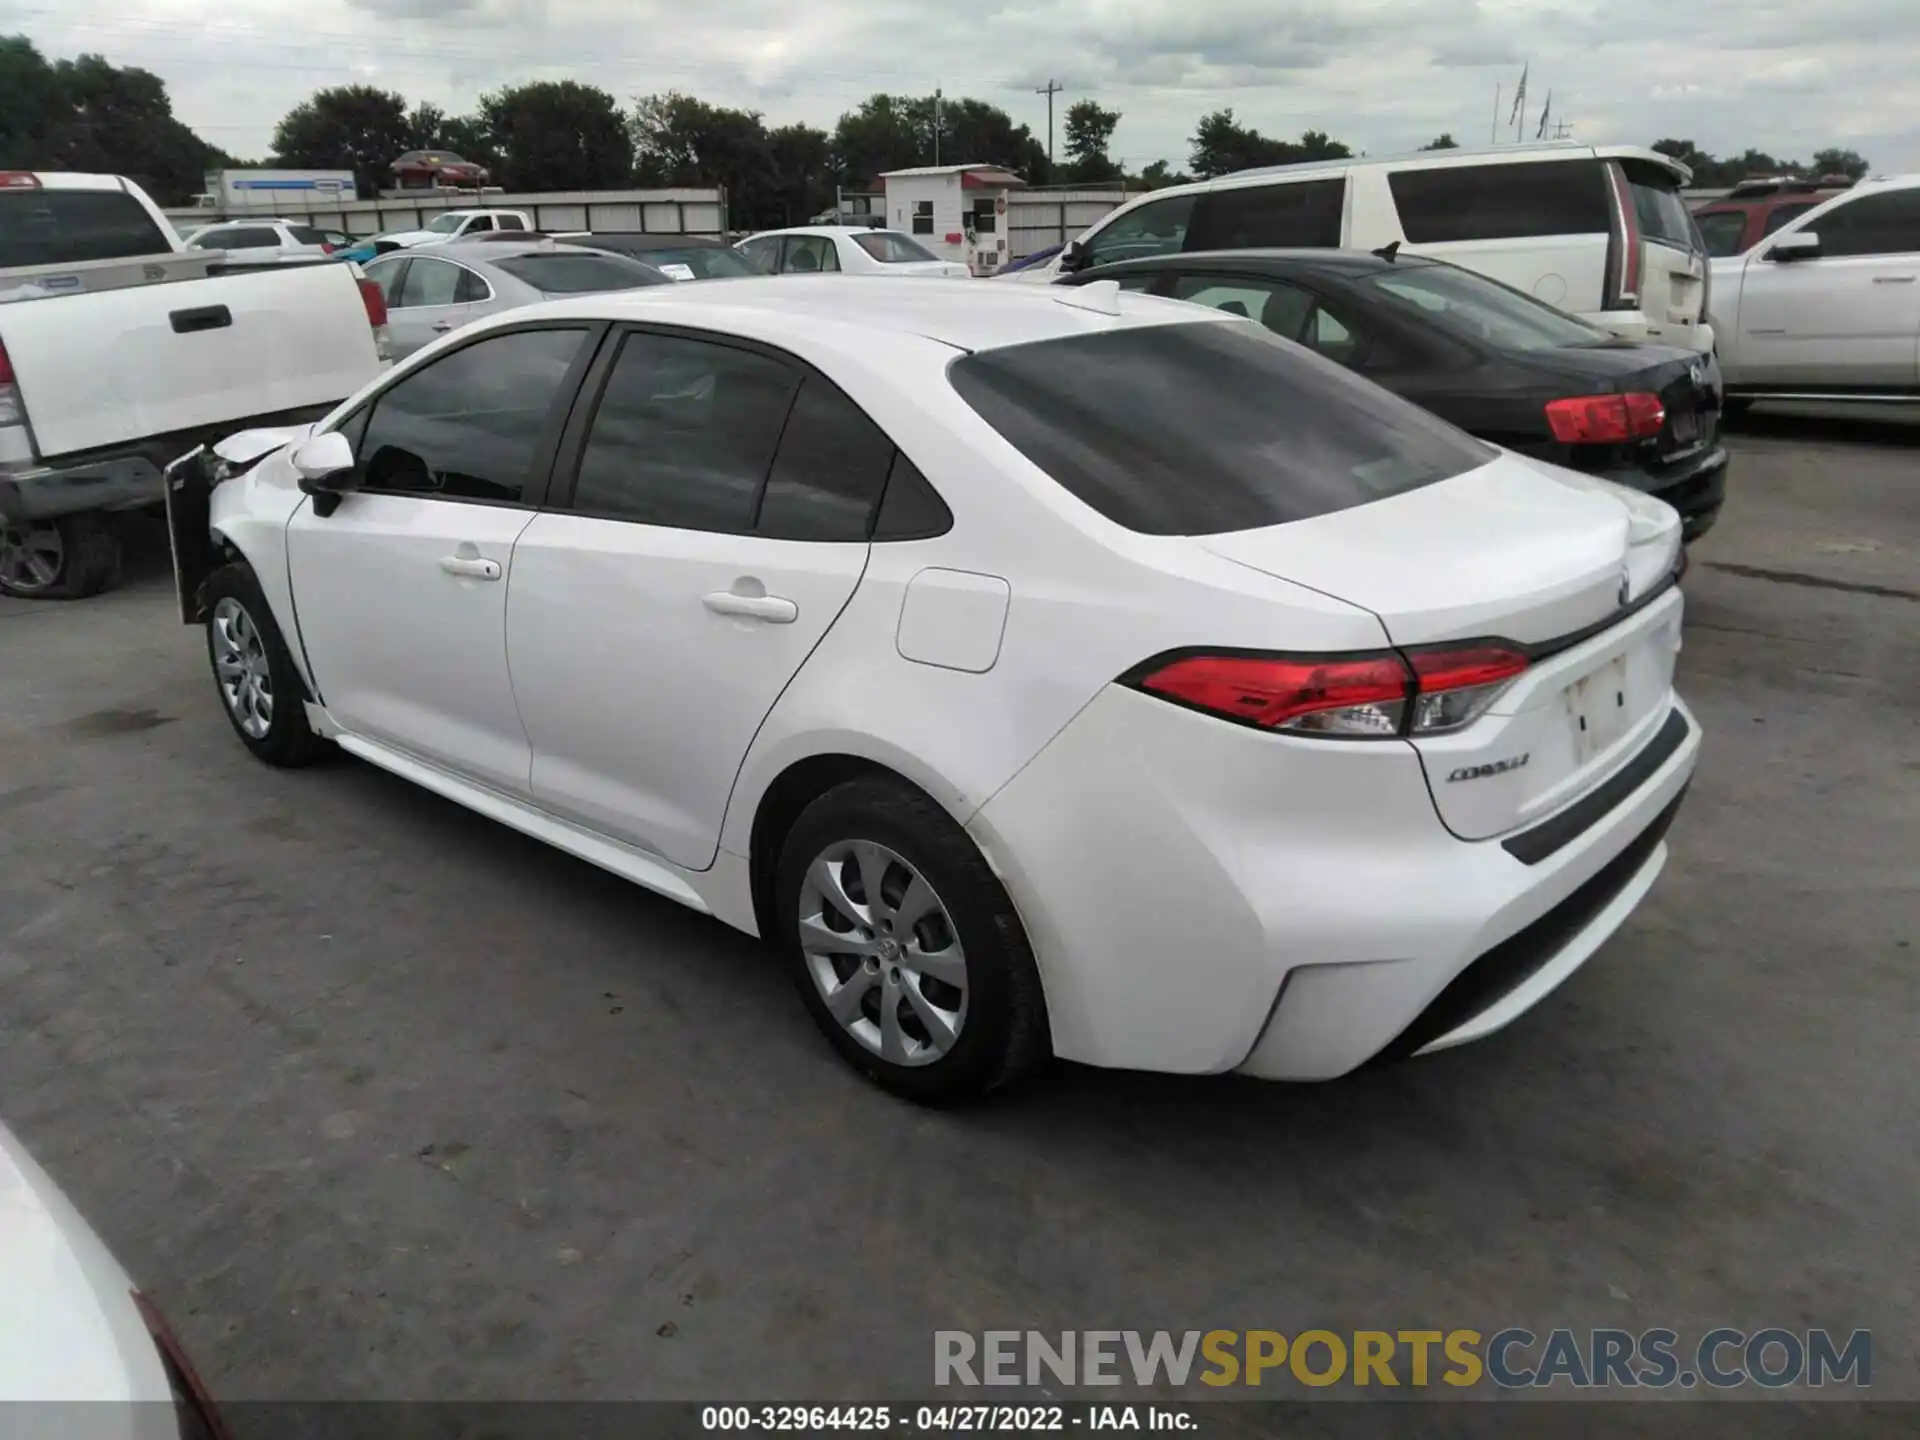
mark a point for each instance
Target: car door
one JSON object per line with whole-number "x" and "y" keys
{"x": 710, "y": 523}
{"x": 428, "y": 305}
{"x": 1846, "y": 318}
{"x": 401, "y": 591}
{"x": 809, "y": 255}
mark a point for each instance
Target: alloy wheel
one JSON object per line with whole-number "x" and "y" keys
{"x": 31, "y": 556}
{"x": 240, "y": 665}
{"x": 883, "y": 952}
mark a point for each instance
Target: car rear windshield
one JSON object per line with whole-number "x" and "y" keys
{"x": 1657, "y": 204}
{"x": 59, "y": 227}
{"x": 890, "y": 247}
{"x": 1478, "y": 309}
{"x": 703, "y": 262}
{"x": 580, "y": 274}
{"x": 1207, "y": 427}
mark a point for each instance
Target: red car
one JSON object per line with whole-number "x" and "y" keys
{"x": 437, "y": 170}
{"x": 1754, "y": 209}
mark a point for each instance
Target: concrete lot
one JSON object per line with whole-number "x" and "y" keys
{"x": 383, "y": 1100}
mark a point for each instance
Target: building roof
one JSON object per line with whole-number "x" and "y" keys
{"x": 972, "y": 175}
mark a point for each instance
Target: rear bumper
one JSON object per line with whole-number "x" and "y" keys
{"x": 1226, "y": 899}
{"x": 1696, "y": 488}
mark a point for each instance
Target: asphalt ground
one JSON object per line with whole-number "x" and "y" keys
{"x": 383, "y": 1101}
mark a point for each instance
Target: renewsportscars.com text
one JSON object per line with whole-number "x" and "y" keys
{"x": 1513, "y": 1358}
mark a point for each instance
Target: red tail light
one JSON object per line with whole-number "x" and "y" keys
{"x": 375, "y": 301}
{"x": 1624, "y": 283}
{"x": 327, "y": 247}
{"x": 10, "y": 411}
{"x": 1378, "y": 696}
{"x": 6, "y": 365}
{"x": 19, "y": 180}
{"x": 1605, "y": 419}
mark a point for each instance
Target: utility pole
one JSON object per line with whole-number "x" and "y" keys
{"x": 1050, "y": 89}
{"x": 936, "y": 124}
{"x": 1561, "y": 129}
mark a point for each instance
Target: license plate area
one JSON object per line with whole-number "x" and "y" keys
{"x": 1686, "y": 427}
{"x": 1599, "y": 708}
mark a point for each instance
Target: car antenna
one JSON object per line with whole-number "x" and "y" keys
{"x": 1387, "y": 251}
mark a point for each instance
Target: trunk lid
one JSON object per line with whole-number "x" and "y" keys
{"x": 112, "y": 366}
{"x": 1688, "y": 384}
{"x": 1521, "y": 551}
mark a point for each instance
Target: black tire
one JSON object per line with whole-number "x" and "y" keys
{"x": 288, "y": 740}
{"x": 1004, "y": 1034}
{"x": 86, "y": 561}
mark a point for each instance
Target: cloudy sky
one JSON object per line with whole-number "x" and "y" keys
{"x": 1382, "y": 75}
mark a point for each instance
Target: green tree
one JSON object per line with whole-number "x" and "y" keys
{"x": 1849, "y": 163}
{"x": 1160, "y": 174}
{"x": 349, "y": 127}
{"x": 557, "y": 135}
{"x": 678, "y": 140}
{"x": 1222, "y": 145}
{"x": 894, "y": 132}
{"x": 1443, "y": 141}
{"x": 801, "y": 159}
{"x": 31, "y": 104}
{"x": 1089, "y": 132}
{"x": 879, "y": 136}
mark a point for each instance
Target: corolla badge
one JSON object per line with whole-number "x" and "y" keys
{"x": 1497, "y": 767}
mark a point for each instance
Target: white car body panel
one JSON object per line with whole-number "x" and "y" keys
{"x": 856, "y": 261}
{"x": 1094, "y": 802}
{"x": 1838, "y": 322}
{"x": 407, "y": 239}
{"x": 69, "y": 1330}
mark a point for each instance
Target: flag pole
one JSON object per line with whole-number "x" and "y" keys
{"x": 1493, "y": 132}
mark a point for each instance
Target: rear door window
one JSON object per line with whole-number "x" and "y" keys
{"x": 1305, "y": 214}
{"x": 511, "y": 222}
{"x": 684, "y": 434}
{"x": 762, "y": 253}
{"x": 64, "y": 227}
{"x": 830, "y": 470}
{"x": 430, "y": 282}
{"x": 240, "y": 237}
{"x": 581, "y": 273}
{"x": 809, "y": 255}
{"x": 1657, "y": 204}
{"x": 1283, "y": 309}
{"x": 1439, "y": 204}
{"x": 1780, "y": 215}
{"x": 1884, "y": 224}
{"x": 1202, "y": 428}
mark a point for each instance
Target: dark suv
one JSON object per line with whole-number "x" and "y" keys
{"x": 1754, "y": 209}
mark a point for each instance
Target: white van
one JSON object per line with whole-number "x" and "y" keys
{"x": 1597, "y": 230}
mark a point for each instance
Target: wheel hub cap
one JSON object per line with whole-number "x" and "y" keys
{"x": 883, "y": 952}
{"x": 240, "y": 665}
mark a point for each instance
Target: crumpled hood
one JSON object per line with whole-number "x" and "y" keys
{"x": 68, "y": 1326}
{"x": 247, "y": 446}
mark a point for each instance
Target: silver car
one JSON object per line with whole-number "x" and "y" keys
{"x": 434, "y": 290}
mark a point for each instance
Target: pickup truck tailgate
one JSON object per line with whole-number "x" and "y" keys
{"x": 98, "y": 369}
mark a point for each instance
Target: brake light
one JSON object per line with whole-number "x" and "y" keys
{"x": 11, "y": 411}
{"x": 19, "y": 180}
{"x": 1605, "y": 419}
{"x": 327, "y": 247}
{"x": 1624, "y": 282}
{"x": 375, "y": 301}
{"x": 1377, "y": 696}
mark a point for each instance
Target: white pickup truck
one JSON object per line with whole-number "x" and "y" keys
{"x": 121, "y": 350}
{"x": 454, "y": 225}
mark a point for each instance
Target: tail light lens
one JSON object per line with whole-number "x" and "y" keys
{"x": 11, "y": 411}
{"x": 1378, "y": 696}
{"x": 1606, "y": 419}
{"x": 19, "y": 180}
{"x": 372, "y": 297}
{"x": 1623, "y": 283}
{"x": 327, "y": 247}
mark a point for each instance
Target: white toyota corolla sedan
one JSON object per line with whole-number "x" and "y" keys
{"x": 1041, "y": 671}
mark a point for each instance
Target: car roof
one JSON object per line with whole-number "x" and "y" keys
{"x": 647, "y": 240}
{"x": 823, "y": 230}
{"x": 836, "y": 311}
{"x": 482, "y": 251}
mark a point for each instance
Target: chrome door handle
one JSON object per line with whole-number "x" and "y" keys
{"x": 469, "y": 566}
{"x": 443, "y": 326}
{"x": 1893, "y": 279}
{"x": 770, "y": 608}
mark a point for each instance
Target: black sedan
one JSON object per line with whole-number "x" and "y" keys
{"x": 1494, "y": 361}
{"x": 679, "y": 257}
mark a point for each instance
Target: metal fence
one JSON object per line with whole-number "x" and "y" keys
{"x": 682, "y": 211}
{"x": 1039, "y": 218}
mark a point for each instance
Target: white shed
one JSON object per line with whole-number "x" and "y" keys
{"x": 959, "y": 212}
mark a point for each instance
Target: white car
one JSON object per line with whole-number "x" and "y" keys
{"x": 847, "y": 250}
{"x": 1039, "y": 669}
{"x": 262, "y": 241}
{"x": 455, "y": 225}
{"x": 75, "y": 1329}
{"x": 1828, "y": 307}
{"x": 1599, "y": 231}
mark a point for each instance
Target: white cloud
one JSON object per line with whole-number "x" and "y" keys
{"x": 1380, "y": 74}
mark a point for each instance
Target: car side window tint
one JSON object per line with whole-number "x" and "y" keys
{"x": 1781, "y": 215}
{"x": 430, "y": 282}
{"x": 1331, "y": 338}
{"x": 472, "y": 288}
{"x": 246, "y": 237}
{"x": 1444, "y": 203}
{"x": 762, "y": 252}
{"x": 1883, "y": 224}
{"x": 1157, "y": 228}
{"x": 1723, "y": 230}
{"x": 808, "y": 255}
{"x": 911, "y": 509}
{"x": 1304, "y": 213}
{"x": 478, "y": 224}
{"x": 469, "y": 426}
{"x": 684, "y": 434}
{"x": 511, "y": 222}
{"x": 829, "y": 472}
{"x": 1281, "y": 308}
{"x": 386, "y": 274}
